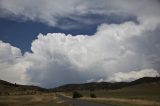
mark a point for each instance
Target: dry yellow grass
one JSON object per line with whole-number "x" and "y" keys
{"x": 30, "y": 100}
{"x": 147, "y": 94}
{"x": 135, "y": 102}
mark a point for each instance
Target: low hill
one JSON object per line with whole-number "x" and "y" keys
{"x": 146, "y": 93}
{"x": 105, "y": 85}
{"x": 90, "y": 86}
{"x": 7, "y": 88}
{"x": 144, "y": 80}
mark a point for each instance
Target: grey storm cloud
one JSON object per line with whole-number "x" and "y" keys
{"x": 63, "y": 13}
{"x": 116, "y": 52}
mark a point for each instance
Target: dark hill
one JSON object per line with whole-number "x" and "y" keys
{"x": 10, "y": 88}
{"x": 7, "y": 88}
{"x": 144, "y": 80}
{"x": 91, "y": 86}
{"x": 105, "y": 85}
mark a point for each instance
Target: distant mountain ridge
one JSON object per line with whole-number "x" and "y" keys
{"x": 105, "y": 85}
{"x": 10, "y": 88}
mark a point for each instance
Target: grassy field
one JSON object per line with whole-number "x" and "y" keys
{"x": 146, "y": 94}
{"x": 123, "y": 102}
{"x": 30, "y": 100}
{"x": 139, "y": 95}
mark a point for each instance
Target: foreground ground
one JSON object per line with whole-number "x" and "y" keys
{"x": 78, "y": 102}
{"x": 44, "y": 100}
{"x": 30, "y": 100}
{"x": 139, "y": 95}
{"x": 146, "y": 94}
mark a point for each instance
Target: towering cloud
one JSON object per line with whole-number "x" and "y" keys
{"x": 80, "y": 58}
{"x": 12, "y": 65}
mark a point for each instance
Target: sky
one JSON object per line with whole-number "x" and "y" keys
{"x": 54, "y": 42}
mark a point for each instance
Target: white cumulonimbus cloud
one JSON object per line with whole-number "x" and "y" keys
{"x": 58, "y": 59}
{"x": 112, "y": 53}
{"x": 12, "y": 65}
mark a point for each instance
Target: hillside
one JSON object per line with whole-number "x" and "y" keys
{"x": 142, "y": 94}
{"x": 105, "y": 85}
{"x": 7, "y": 88}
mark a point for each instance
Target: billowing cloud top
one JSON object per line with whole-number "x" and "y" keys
{"x": 116, "y": 52}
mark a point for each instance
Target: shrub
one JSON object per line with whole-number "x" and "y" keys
{"x": 92, "y": 95}
{"x": 6, "y": 93}
{"x": 76, "y": 95}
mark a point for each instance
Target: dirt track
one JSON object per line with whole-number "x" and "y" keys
{"x": 77, "y": 102}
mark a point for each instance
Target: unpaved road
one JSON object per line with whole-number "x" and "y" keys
{"x": 77, "y": 102}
